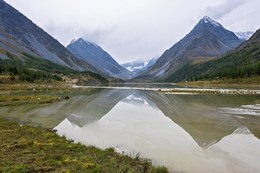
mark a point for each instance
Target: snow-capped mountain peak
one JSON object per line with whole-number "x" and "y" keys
{"x": 207, "y": 19}
{"x": 137, "y": 66}
{"x": 244, "y": 35}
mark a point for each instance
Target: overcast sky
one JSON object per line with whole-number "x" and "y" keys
{"x": 135, "y": 29}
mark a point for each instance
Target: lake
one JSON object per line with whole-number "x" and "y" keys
{"x": 186, "y": 133}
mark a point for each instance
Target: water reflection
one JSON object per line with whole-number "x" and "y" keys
{"x": 176, "y": 131}
{"x": 201, "y": 117}
{"x": 80, "y": 109}
{"x": 189, "y": 133}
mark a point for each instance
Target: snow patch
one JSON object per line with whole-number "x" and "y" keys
{"x": 207, "y": 19}
{"x": 244, "y": 35}
{"x": 139, "y": 65}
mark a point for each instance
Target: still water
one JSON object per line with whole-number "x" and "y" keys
{"x": 186, "y": 133}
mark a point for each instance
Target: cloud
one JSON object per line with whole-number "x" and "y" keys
{"x": 134, "y": 29}
{"x": 219, "y": 11}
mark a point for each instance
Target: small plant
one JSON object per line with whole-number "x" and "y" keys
{"x": 160, "y": 169}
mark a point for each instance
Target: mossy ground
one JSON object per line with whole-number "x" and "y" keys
{"x": 18, "y": 94}
{"x": 251, "y": 82}
{"x": 21, "y": 94}
{"x": 30, "y": 149}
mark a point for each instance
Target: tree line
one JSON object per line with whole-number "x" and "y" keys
{"x": 242, "y": 63}
{"x": 16, "y": 70}
{"x": 33, "y": 69}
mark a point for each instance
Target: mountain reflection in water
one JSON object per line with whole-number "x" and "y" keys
{"x": 189, "y": 133}
{"x": 176, "y": 130}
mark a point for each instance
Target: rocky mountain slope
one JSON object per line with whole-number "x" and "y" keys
{"x": 207, "y": 40}
{"x": 19, "y": 35}
{"x": 100, "y": 59}
{"x": 242, "y": 62}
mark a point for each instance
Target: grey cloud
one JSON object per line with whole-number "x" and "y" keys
{"x": 97, "y": 35}
{"x": 220, "y": 11}
{"x": 134, "y": 29}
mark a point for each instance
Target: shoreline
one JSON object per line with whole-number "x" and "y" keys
{"x": 180, "y": 90}
{"x": 210, "y": 91}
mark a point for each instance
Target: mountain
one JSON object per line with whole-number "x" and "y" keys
{"x": 19, "y": 36}
{"x": 254, "y": 41}
{"x": 96, "y": 56}
{"x": 138, "y": 66}
{"x": 207, "y": 40}
{"x": 243, "y": 62}
{"x": 244, "y": 35}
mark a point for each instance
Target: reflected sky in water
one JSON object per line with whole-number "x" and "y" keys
{"x": 188, "y": 133}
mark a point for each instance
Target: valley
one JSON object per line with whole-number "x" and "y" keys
{"x": 83, "y": 106}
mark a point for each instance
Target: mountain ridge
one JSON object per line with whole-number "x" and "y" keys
{"x": 19, "y": 34}
{"x": 139, "y": 65}
{"x": 208, "y": 39}
{"x": 93, "y": 54}
{"x": 244, "y": 35}
{"x": 242, "y": 62}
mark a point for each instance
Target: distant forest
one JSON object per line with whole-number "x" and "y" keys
{"x": 33, "y": 69}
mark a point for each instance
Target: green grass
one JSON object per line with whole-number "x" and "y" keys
{"x": 21, "y": 86}
{"x": 28, "y": 94}
{"x": 241, "y": 82}
{"x": 14, "y": 100}
{"x": 21, "y": 94}
{"x": 30, "y": 149}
